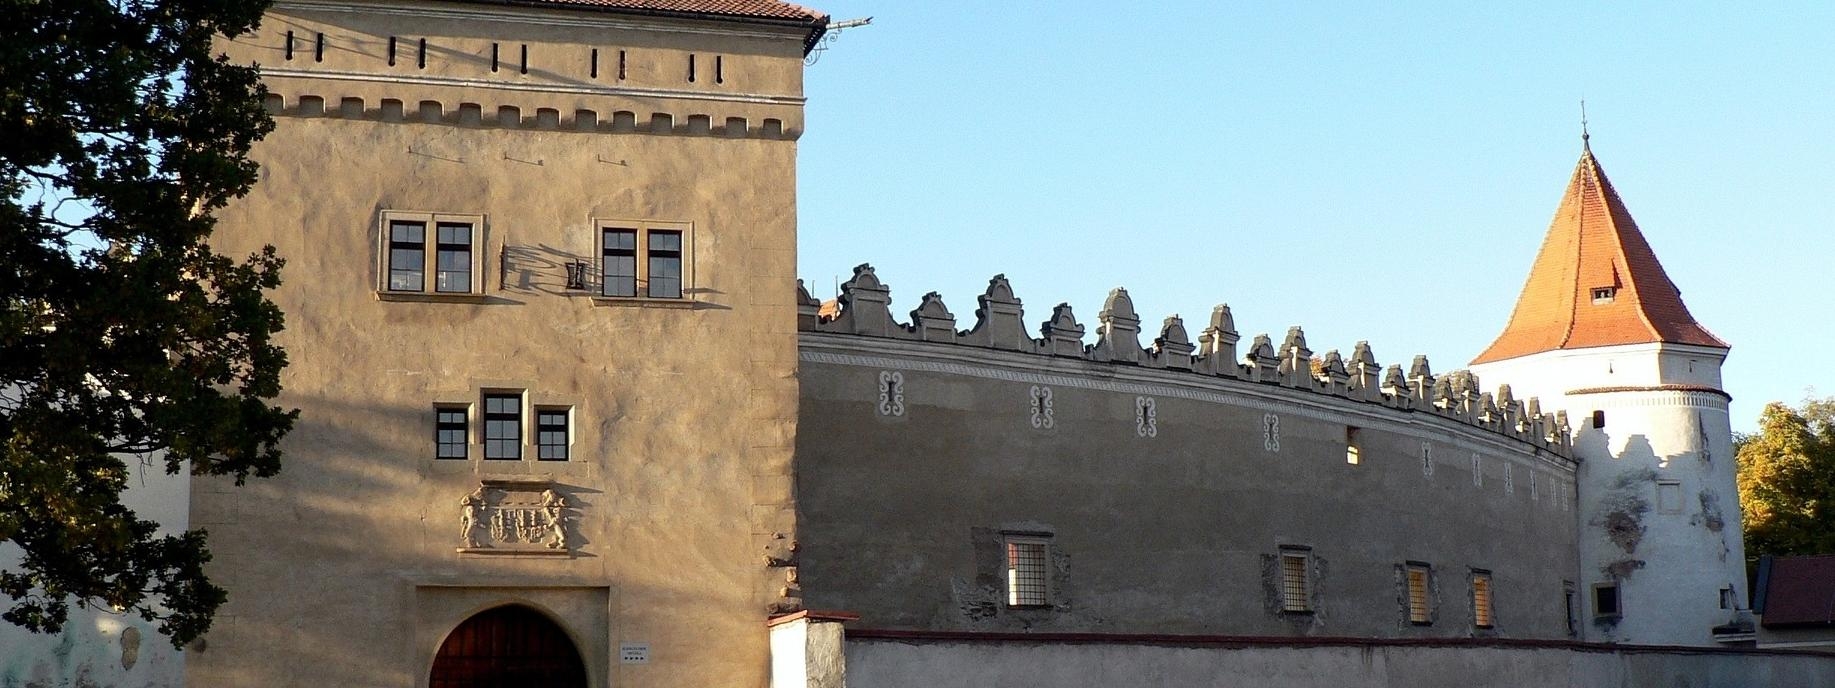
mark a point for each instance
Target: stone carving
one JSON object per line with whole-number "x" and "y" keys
{"x": 1146, "y": 417}
{"x": 1271, "y": 432}
{"x": 891, "y": 393}
{"x": 1041, "y": 407}
{"x": 515, "y": 517}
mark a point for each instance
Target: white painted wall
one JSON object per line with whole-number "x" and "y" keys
{"x": 102, "y": 649}
{"x": 1671, "y": 564}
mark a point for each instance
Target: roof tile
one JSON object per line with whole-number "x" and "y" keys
{"x": 1800, "y": 591}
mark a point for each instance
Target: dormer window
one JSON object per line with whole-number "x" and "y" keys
{"x": 1603, "y": 295}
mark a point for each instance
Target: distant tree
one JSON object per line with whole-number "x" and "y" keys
{"x": 122, "y": 334}
{"x": 1787, "y": 480}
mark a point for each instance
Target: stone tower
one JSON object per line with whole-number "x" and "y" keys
{"x": 1601, "y": 332}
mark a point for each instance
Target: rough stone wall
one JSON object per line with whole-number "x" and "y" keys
{"x": 1167, "y": 493}
{"x": 346, "y": 569}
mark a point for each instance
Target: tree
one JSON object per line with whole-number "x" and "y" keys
{"x": 1787, "y": 480}
{"x": 122, "y": 333}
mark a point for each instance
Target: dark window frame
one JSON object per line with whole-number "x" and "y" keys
{"x": 553, "y": 439}
{"x": 1028, "y": 570}
{"x": 495, "y": 419}
{"x": 443, "y": 423}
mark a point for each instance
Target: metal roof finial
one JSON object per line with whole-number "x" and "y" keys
{"x": 1585, "y": 138}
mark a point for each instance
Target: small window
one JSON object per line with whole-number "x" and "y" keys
{"x": 1481, "y": 600}
{"x": 1418, "y": 613}
{"x": 1669, "y": 496}
{"x": 1296, "y": 588}
{"x": 1353, "y": 454}
{"x": 416, "y": 244}
{"x": 503, "y": 426}
{"x": 641, "y": 259}
{"x": 1026, "y": 566}
{"x": 1604, "y": 295}
{"x": 1599, "y": 420}
{"x": 1605, "y": 600}
{"x": 1573, "y": 618}
{"x": 551, "y": 436}
{"x": 450, "y": 436}
{"x": 1727, "y": 599}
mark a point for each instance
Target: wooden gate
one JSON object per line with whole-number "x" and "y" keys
{"x": 508, "y": 647}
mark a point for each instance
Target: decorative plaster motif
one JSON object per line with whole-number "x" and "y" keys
{"x": 1041, "y": 407}
{"x": 1427, "y": 460}
{"x": 1146, "y": 417}
{"x": 1509, "y": 485}
{"x": 1532, "y": 487}
{"x": 514, "y": 517}
{"x": 1271, "y": 432}
{"x": 1478, "y": 472}
{"x": 891, "y": 393}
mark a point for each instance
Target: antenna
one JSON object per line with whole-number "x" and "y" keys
{"x": 828, "y": 37}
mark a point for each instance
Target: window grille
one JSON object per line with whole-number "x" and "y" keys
{"x": 1026, "y": 582}
{"x": 1294, "y": 592}
{"x": 454, "y": 257}
{"x": 503, "y": 426}
{"x": 1417, "y": 595}
{"x": 1481, "y": 599}
{"x": 407, "y": 255}
{"x": 665, "y": 264}
{"x": 449, "y": 434}
{"x": 551, "y": 434}
{"x": 619, "y": 268}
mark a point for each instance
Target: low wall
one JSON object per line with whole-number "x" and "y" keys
{"x": 897, "y": 659}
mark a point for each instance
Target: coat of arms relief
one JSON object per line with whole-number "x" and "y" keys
{"x": 516, "y": 517}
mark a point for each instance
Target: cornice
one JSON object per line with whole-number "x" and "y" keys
{"x": 679, "y": 94}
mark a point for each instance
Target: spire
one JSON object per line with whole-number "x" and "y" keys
{"x": 1595, "y": 282}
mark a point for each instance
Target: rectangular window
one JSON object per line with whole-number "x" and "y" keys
{"x": 1417, "y": 595}
{"x": 665, "y": 264}
{"x": 551, "y": 437}
{"x": 1669, "y": 496}
{"x": 1481, "y": 599}
{"x": 1727, "y": 599}
{"x": 1353, "y": 454}
{"x": 1026, "y": 580}
{"x": 1605, "y": 599}
{"x": 407, "y": 255}
{"x": 1295, "y": 581}
{"x": 619, "y": 264}
{"x": 450, "y": 435}
{"x": 454, "y": 265}
{"x": 503, "y": 426}
{"x": 417, "y": 244}
{"x": 644, "y": 259}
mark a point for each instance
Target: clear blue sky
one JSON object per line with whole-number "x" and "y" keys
{"x": 1367, "y": 172}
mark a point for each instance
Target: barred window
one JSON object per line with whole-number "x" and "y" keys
{"x": 503, "y": 426}
{"x": 1417, "y": 595}
{"x": 449, "y": 432}
{"x": 1481, "y": 599}
{"x": 1295, "y": 581}
{"x": 1026, "y": 580}
{"x": 551, "y": 434}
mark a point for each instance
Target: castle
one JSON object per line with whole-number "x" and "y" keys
{"x": 568, "y": 418}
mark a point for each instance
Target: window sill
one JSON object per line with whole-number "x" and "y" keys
{"x": 640, "y": 302}
{"x": 515, "y": 552}
{"x": 431, "y": 297}
{"x": 1297, "y": 612}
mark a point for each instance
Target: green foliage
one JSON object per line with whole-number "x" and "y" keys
{"x": 122, "y": 333}
{"x": 1787, "y": 480}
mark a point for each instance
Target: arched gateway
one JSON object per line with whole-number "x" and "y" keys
{"x": 508, "y": 647}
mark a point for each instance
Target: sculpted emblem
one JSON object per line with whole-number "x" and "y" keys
{"x": 515, "y": 517}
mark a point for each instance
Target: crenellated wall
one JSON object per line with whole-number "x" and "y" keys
{"x": 1170, "y": 481}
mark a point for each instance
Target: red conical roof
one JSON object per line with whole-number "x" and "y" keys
{"x": 1595, "y": 282}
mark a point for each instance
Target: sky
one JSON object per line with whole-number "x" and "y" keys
{"x": 1367, "y": 171}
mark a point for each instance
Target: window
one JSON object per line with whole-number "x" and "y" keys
{"x": 1026, "y": 579}
{"x": 1567, "y": 606}
{"x": 1295, "y": 580}
{"x": 1481, "y": 599}
{"x": 1599, "y": 420}
{"x": 503, "y": 426}
{"x": 1727, "y": 599}
{"x": 450, "y": 432}
{"x": 1604, "y": 295}
{"x": 1669, "y": 496}
{"x": 647, "y": 260}
{"x": 1605, "y": 599}
{"x": 551, "y": 437}
{"x": 1353, "y": 454}
{"x": 411, "y": 239}
{"x": 1417, "y": 594}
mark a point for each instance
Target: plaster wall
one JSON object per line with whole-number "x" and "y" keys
{"x": 1173, "y": 529}
{"x": 1660, "y": 507}
{"x": 345, "y": 569}
{"x": 99, "y": 648}
{"x": 943, "y": 664}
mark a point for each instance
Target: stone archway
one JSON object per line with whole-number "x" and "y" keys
{"x": 511, "y": 646}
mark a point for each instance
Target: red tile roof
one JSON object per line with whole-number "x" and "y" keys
{"x": 1594, "y": 244}
{"x": 746, "y": 9}
{"x": 1798, "y": 591}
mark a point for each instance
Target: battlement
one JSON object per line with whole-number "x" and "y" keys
{"x": 865, "y": 310}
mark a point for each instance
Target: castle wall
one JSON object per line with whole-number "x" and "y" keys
{"x": 1167, "y": 495}
{"x": 353, "y": 565}
{"x": 1660, "y": 511}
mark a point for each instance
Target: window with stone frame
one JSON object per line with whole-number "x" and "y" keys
{"x": 645, "y": 259}
{"x": 502, "y": 426}
{"x": 431, "y": 253}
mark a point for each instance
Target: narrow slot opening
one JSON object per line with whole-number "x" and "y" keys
{"x": 318, "y": 48}
{"x": 594, "y": 64}
{"x": 494, "y": 52}
{"x": 391, "y": 51}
